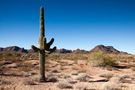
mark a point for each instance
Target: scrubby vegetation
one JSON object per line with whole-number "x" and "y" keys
{"x": 68, "y": 71}
{"x": 94, "y": 58}
{"x": 103, "y": 59}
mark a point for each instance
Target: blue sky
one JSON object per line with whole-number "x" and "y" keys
{"x": 73, "y": 23}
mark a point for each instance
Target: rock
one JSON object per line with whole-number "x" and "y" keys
{"x": 75, "y": 73}
{"x": 13, "y": 65}
{"x": 99, "y": 79}
{"x": 27, "y": 74}
{"x": 55, "y": 71}
{"x": 5, "y": 62}
{"x": 83, "y": 77}
{"x": 71, "y": 81}
{"x": 64, "y": 85}
{"x": 51, "y": 78}
{"x": 106, "y": 75}
{"x": 115, "y": 79}
{"x": 121, "y": 79}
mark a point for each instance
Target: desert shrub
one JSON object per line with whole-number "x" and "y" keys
{"x": 102, "y": 59}
{"x": 107, "y": 61}
{"x": 95, "y": 55}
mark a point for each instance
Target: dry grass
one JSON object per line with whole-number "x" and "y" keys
{"x": 68, "y": 56}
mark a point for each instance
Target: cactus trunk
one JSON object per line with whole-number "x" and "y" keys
{"x": 41, "y": 47}
{"x": 42, "y": 67}
{"x": 44, "y": 48}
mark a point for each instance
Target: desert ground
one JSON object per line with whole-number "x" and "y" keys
{"x": 71, "y": 71}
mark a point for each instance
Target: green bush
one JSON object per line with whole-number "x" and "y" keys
{"x": 102, "y": 59}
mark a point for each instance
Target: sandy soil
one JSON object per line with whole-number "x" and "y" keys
{"x": 64, "y": 74}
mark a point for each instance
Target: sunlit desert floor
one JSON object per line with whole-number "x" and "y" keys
{"x": 66, "y": 75}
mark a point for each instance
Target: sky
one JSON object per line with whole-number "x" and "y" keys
{"x": 73, "y": 23}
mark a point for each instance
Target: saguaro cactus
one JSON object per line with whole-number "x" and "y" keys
{"x": 43, "y": 47}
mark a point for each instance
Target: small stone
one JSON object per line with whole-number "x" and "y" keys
{"x": 52, "y": 79}
{"x": 71, "y": 81}
{"x": 83, "y": 77}
{"x": 64, "y": 85}
{"x": 27, "y": 74}
{"x": 99, "y": 79}
{"x": 74, "y": 73}
{"x": 13, "y": 65}
{"x": 55, "y": 71}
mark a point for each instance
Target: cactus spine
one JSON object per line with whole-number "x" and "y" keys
{"x": 44, "y": 48}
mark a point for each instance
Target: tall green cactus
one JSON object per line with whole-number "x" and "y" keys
{"x": 43, "y": 47}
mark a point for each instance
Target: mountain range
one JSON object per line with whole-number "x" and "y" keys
{"x": 102, "y": 48}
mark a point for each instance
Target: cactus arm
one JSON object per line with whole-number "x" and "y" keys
{"x": 52, "y": 50}
{"x": 35, "y": 48}
{"x": 49, "y": 44}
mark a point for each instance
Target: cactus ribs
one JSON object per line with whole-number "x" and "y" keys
{"x": 43, "y": 47}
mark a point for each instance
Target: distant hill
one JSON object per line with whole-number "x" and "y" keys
{"x": 63, "y": 51}
{"x": 22, "y": 50}
{"x": 107, "y": 49}
{"x": 13, "y": 49}
{"x": 80, "y": 51}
